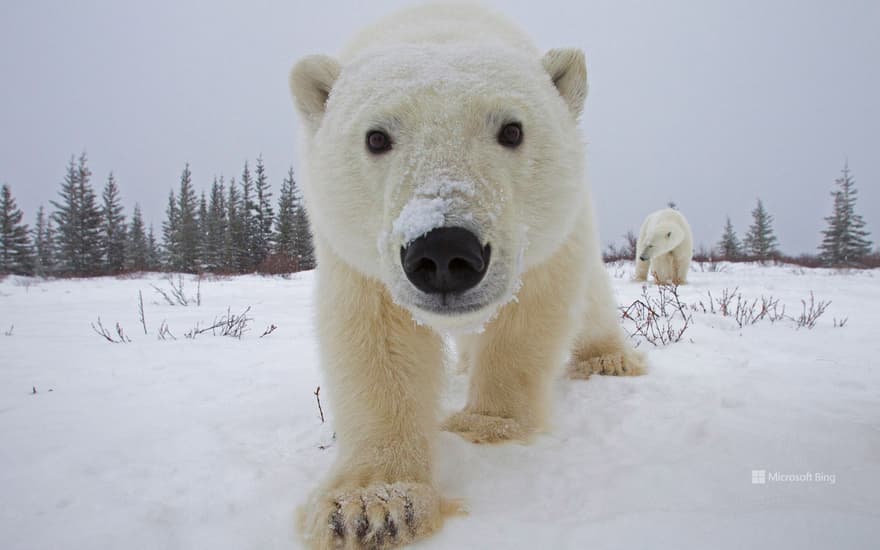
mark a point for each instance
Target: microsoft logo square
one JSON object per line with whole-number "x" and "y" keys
{"x": 759, "y": 477}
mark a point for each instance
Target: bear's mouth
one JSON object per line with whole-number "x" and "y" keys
{"x": 450, "y": 304}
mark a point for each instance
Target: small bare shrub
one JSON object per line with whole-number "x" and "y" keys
{"x": 747, "y": 312}
{"x": 731, "y": 303}
{"x": 660, "y": 318}
{"x": 165, "y": 332}
{"x": 176, "y": 295}
{"x": 626, "y": 251}
{"x": 24, "y": 282}
{"x": 225, "y": 325}
{"x": 120, "y": 337}
{"x": 811, "y": 312}
{"x": 712, "y": 266}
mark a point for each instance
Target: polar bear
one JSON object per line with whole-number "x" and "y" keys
{"x": 665, "y": 248}
{"x": 444, "y": 180}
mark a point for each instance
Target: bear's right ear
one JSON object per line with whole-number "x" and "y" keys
{"x": 568, "y": 71}
{"x": 311, "y": 80}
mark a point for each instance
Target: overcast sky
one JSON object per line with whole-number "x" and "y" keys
{"x": 708, "y": 103}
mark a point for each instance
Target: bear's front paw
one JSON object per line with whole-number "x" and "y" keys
{"x": 378, "y": 516}
{"x": 627, "y": 362}
{"x": 481, "y": 428}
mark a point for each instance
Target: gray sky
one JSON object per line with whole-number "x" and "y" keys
{"x": 708, "y": 103}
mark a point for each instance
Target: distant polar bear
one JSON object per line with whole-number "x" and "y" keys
{"x": 444, "y": 180}
{"x": 665, "y": 248}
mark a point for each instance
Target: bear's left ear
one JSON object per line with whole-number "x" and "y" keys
{"x": 311, "y": 80}
{"x": 568, "y": 70}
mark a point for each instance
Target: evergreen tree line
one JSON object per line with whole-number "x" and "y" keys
{"x": 235, "y": 229}
{"x": 844, "y": 243}
{"x": 232, "y": 229}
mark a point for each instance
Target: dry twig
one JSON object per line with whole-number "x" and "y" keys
{"x": 165, "y": 332}
{"x": 318, "y": 398}
{"x": 141, "y": 311}
{"x": 120, "y": 338}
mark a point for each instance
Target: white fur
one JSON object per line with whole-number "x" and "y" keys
{"x": 441, "y": 81}
{"x": 664, "y": 248}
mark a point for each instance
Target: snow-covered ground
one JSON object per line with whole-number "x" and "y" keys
{"x": 211, "y": 442}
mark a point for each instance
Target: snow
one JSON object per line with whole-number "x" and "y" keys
{"x": 212, "y": 442}
{"x": 432, "y": 202}
{"x": 419, "y": 216}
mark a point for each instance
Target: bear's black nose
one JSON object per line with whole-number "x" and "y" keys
{"x": 446, "y": 259}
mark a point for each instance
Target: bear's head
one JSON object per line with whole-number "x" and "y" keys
{"x": 445, "y": 171}
{"x": 663, "y": 238}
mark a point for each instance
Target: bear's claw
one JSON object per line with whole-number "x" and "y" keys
{"x": 379, "y": 516}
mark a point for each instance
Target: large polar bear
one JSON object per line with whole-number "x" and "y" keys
{"x": 444, "y": 179}
{"x": 665, "y": 248}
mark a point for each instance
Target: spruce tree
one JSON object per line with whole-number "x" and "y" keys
{"x": 293, "y": 238}
{"x": 285, "y": 239}
{"x": 202, "y": 225}
{"x": 154, "y": 254}
{"x": 236, "y": 235}
{"x": 90, "y": 218}
{"x": 170, "y": 255}
{"x": 263, "y": 215}
{"x": 77, "y": 220}
{"x": 729, "y": 247}
{"x": 845, "y": 241}
{"x": 112, "y": 228}
{"x": 215, "y": 232}
{"x": 760, "y": 241}
{"x": 66, "y": 219}
{"x": 137, "y": 248}
{"x": 305, "y": 250}
{"x": 44, "y": 259}
{"x": 188, "y": 229}
{"x": 15, "y": 245}
{"x": 248, "y": 221}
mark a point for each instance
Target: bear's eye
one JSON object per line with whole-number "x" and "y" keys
{"x": 669, "y": 234}
{"x": 378, "y": 142}
{"x": 511, "y": 135}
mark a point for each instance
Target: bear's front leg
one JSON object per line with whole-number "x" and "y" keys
{"x": 383, "y": 373}
{"x": 681, "y": 264}
{"x": 663, "y": 269}
{"x": 602, "y": 346}
{"x": 641, "y": 273}
{"x": 513, "y": 362}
